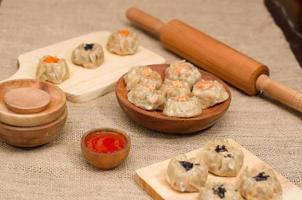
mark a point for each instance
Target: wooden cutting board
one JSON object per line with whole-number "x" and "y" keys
{"x": 86, "y": 84}
{"x": 152, "y": 179}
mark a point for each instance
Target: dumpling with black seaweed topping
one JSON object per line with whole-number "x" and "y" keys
{"x": 186, "y": 175}
{"x": 88, "y": 55}
{"x": 222, "y": 158}
{"x": 219, "y": 191}
{"x": 260, "y": 184}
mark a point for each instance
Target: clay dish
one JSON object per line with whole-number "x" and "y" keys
{"x": 156, "y": 120}
{"x": 105, "y": 161}
{"x": 46, "y": 107}
{"x": 32, "y": 136}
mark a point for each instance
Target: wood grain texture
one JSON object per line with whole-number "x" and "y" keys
{"x": 152, "y": 179}
{"x": 32, "y": 136}
{"x": 86, "y": 84}
{"x": 53, "y": 110}
{"x": 156, "y": 120}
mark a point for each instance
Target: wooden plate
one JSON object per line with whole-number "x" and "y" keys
{"x": 32, "y": 136}
{"x": 152, "y": 179}
{"x": 54, "y": 109}
{"x": 156, "y": 120}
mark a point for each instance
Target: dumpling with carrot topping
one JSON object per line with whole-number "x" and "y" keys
{"x": 146, "y": 97}
{"x": 175, "y": 88}
{"x": 210, "y": 92}
{"x": 52, "y": 69}
{"x": 123, "y": 42}
{"x": 222, "y": 158}
{"x": 186, "y": 175}
{"x": 183, "y": 106}
{"x": 219, "y": 191}
{"x": 260, "y": 183}
{"x": 88, "y": 55}
{"x": 142, "y": 75}
{"x": 183, "y": 71}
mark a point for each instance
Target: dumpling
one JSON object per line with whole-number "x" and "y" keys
{"x": 210, "y": 92}
{"x": 123, "y": 42}
{"x": 183, "y": 71}
{"x": 219, "y": 191}
{"x": 89, "y": 55}
{"x": 52, "y": 69}
{"x": 144, "y": 76}
{"x": 175, "y": 88}
{"x": 260, "y": 184}
{"x": 183, "y": 106}
{"x": 186, "y": 175}
{"x": 146, "y": 97}
{"x": 222, "y": 158}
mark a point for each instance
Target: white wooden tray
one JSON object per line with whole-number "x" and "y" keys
{"x": 152, "y": 179}
{"x": 86, "y": 84}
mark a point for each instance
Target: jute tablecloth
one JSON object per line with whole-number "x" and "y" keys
{"x": 58, "y": 171}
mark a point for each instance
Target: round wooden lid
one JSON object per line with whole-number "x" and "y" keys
{"x": 26, "y": 100}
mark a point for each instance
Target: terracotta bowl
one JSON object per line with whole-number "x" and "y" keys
{"x": 32, "y": 136}
{"x": 156, "y": 120}
{"x": 54, "y": 109}
{"x": 105, "y": 161}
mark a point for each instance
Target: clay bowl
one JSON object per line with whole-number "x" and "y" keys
{"x": 44, "y": 113}
{"x": 105, "y": 161}
{"x": 156, "y": 120}
{"x": 32, "y": 136}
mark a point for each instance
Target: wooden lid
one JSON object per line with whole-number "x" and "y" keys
{"x": 26, "y": 100}
{"x": 11, "y": 104}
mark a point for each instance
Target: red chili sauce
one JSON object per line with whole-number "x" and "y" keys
{"x": 105, "y": 141}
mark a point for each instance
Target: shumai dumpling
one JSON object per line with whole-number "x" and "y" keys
{"x": 219, "y": 191}
{"x": 183, "y": 71}
{"x": 146, "y": 97}
{"x": 186, "y": 175}
{"x": 123, "y": 42}
{"x": 183, "y": 106}
{"x": 260, "y": 184}
{"x": 175, "y": 88}
{"x": 89, "y": 55}
{"x": 210, "y": 92}
{"x": 52, "y": 69}
{"x": 144, "y": 76}
{"x": 222, "y": 158}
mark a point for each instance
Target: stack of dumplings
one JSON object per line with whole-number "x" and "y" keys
{"x": 220, "y": 158}
{"x": 184, "y": 92}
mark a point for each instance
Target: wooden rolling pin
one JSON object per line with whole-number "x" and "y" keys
{"x": 239, "y": 70}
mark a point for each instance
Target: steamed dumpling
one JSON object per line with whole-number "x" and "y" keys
{"x": 146, "y": 97}
{"x": 52, "y": 69}
{"x": 183, "y": 71}
{"x": 222, "y": 158}
{"x": 90, "y": 55}
{"x": 123, "y": 42}
{"x": 144, "y": 76}
{"x": 186, "y": 175}
{"x": 183, "y": 106}
{"x": 219, "y": 191}
{"x": 260, "y": 184}
{"x": 210, "y": 92}
{"x": 175, "y": 88}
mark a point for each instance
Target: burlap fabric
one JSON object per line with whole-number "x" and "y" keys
{"x": 58, "y": 171}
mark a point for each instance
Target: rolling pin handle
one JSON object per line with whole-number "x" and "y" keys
{"x": 145, "y": 21}
{"x": 280, "y": 92}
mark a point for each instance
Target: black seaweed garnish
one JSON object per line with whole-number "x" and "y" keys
{"x": 261, "y": 177}
{"x": 219, "y": 191}
{"x": 187, "y": 165}
{"x": 228, "y": 156}
{"x": 88, "y": 46}
{"x": 221, "y": 148}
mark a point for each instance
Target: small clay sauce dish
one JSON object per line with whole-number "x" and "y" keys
{"x": 156, "y": 120}
{"x": 105, "y": 160}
